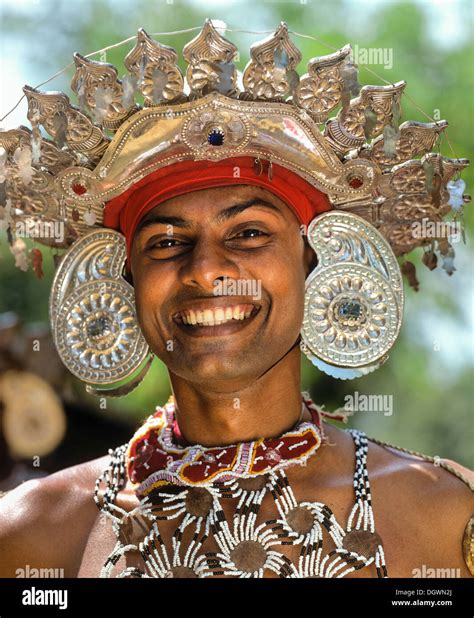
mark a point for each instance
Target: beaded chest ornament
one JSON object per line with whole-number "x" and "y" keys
{"x": 214, "y": 499}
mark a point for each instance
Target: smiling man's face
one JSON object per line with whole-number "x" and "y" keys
{"x": 189, "y": 244}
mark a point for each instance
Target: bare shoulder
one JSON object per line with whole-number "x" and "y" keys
{"x": 389, "y": 463}
{"x": 45, "y": 523}
{"x": 433, "y": 501}
{"x": 439, "y": 480}
{"x": 421, "y": 508}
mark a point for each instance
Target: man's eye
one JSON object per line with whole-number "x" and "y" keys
{"x": 250, "y": 233}
{"x": 166, "y": 243}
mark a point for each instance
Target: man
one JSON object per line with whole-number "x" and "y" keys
{"x": 421, "y": 510}
{"x": 239, "y": 476}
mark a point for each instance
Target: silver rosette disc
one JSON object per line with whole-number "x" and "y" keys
{"x": 98, "y": 337}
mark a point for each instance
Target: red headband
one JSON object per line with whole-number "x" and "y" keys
{"x": 125, "y": 211}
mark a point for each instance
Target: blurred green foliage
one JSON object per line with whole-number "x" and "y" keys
{"x": 429, "y": 373}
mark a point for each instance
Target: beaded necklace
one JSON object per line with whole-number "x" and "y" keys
{"x": 156, "y": 458}
{"x": 203, "y": 512}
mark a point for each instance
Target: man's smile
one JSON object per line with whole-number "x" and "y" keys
{"x": 205, "y": 319}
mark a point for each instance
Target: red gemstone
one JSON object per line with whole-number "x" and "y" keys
{"x": 78, "y": 188}
{"x": 355, "y": 182}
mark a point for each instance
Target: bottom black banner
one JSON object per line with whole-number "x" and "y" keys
{"x": 176, "y": 598}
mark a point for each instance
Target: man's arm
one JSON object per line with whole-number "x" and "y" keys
{"x": 46, "y": 523}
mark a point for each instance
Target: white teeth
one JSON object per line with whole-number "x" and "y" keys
{"x": 219, "y": 315}
{"x": 209, "y": 317}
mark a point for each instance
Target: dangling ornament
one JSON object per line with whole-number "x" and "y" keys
{"x": 433, "y": 183}
{"x": 22, "y": 157}
{"x": 18, "y": 250}
{"x": 370, "y": 121}
{"x": 159, "y": 80}
{"x": 409, "y": 270}
{"x": 103, "y": 99}
{"x": 3, "y": 164}
{"x": 89, "y": 218}
{"x": 37, "y": 262}
{"x": 430, "y": 259}
{"x": 351, "y": 86}
{"x": 57, "y": 259}
{"x": 390, "y": 139}
{"x": 391, "y": 132}
{"x": 81, "y": 94}
{"x": 456, "y": 189}
{"x": 349, "y": 74}
{"x": 130, "y": 87}
{"x": 396, "y": 114}
{"x": 60, "y": 129}
{"x": 36, "y": 138}
{"x": 6, "y": 216}
{"x": 448, "y": 261}
{"x": 443, "y": 246}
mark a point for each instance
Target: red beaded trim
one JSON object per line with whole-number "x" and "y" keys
{"x": 155, "y": 457}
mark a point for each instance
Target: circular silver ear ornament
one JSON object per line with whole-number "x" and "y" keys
{"x": 354, "y": 297}
{"x": 93, "y": 318}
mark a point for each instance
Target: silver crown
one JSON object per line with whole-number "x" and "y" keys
{"x": 361, "y": 157}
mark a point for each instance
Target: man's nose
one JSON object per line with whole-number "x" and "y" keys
{"x": 207, "y": 262}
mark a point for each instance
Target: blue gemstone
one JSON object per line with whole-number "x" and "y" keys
{"x": 98, "y": 327}
{"x": 215, "y": 137}
{"x": 350, "y": 309}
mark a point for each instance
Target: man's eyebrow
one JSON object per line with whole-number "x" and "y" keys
{"x": 224, "y": 215}
{"x": 164, "y": 220}
{"x": 235, "y": 210}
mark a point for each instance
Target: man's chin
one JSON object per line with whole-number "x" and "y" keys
{"x": 228, "y": 372}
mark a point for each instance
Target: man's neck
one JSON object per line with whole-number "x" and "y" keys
{"x": 263, "y": 408}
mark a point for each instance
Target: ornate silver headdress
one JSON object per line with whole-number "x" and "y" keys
{"x": 379, "y": 175}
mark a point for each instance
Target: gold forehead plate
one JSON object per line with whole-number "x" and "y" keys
{"x": 155, "y": 137}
